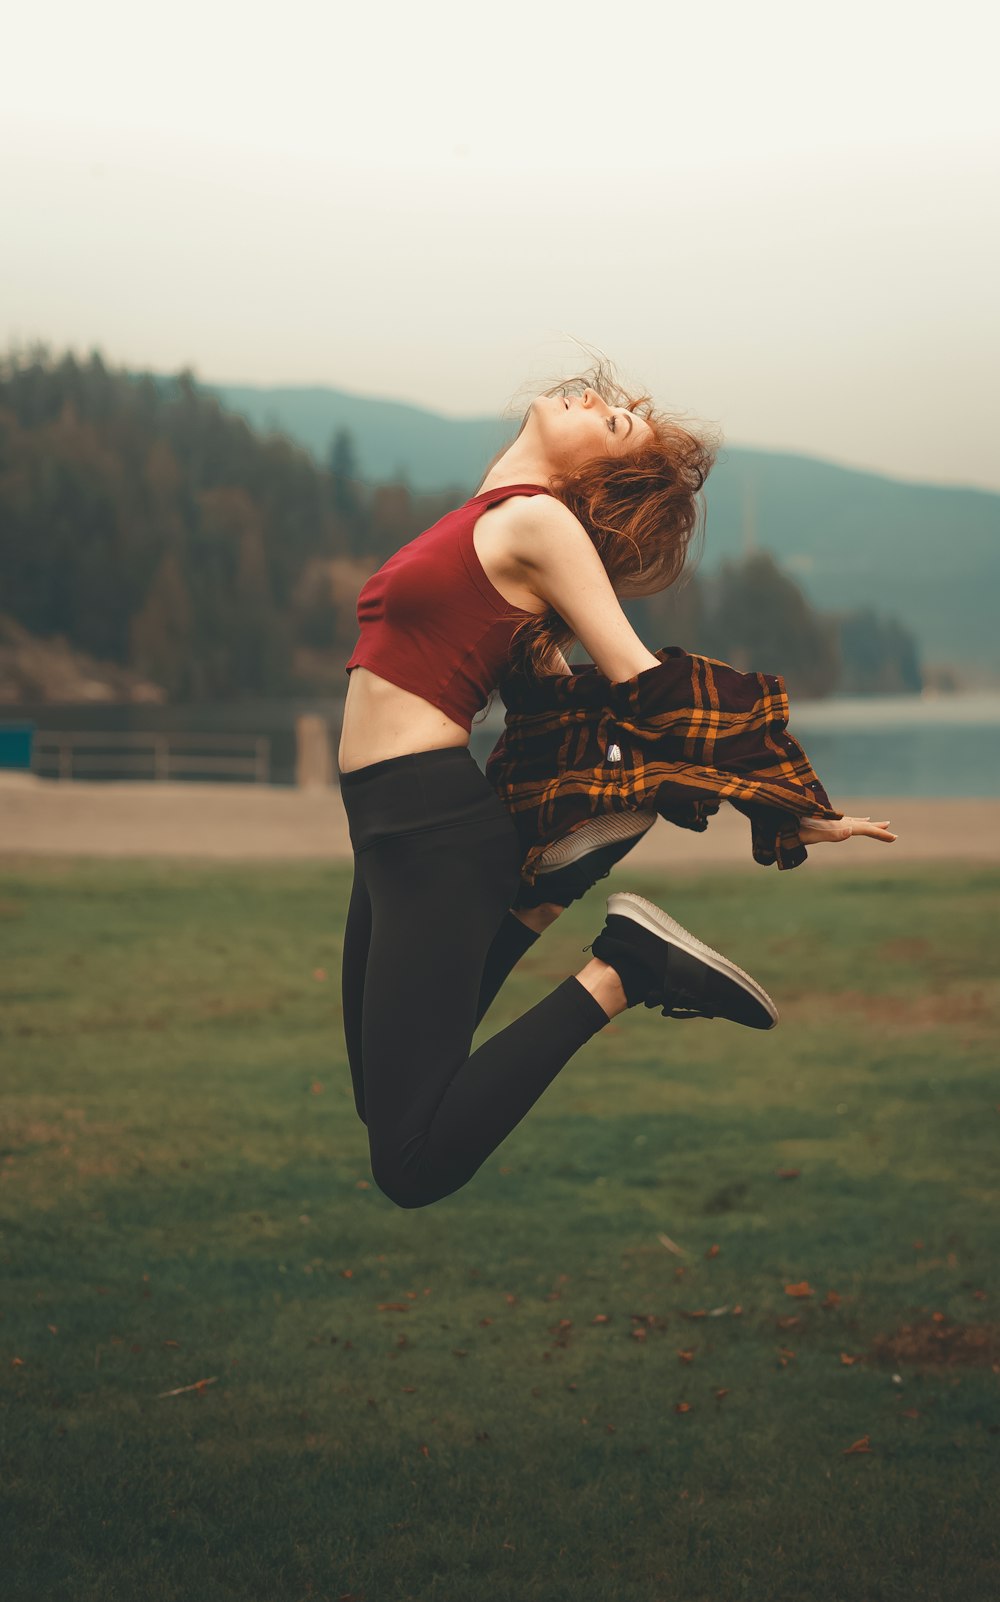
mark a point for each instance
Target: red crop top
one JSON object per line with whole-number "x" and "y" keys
{"x": 432, "y": 622}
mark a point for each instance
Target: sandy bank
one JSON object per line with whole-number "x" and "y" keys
{"x": 229, "y": 822}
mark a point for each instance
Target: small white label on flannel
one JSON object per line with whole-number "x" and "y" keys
{"x": 614, "y": 753}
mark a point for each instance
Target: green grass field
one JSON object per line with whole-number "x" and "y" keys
{"x": 521, "y": 1394}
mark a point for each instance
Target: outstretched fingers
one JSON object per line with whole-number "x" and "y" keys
{"x": 816, "y": 831}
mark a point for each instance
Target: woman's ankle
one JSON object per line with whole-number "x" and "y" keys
{"x": 604, "y": 985}
{"x": 538, "y": 918}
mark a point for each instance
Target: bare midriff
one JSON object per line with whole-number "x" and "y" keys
{"x": 383, "y": 720}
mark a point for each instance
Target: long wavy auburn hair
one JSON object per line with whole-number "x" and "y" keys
{"x": 642, "y": 510}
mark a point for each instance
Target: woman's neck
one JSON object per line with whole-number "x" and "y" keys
{"x": 517, "y": 466}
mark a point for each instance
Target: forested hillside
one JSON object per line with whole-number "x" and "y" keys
{"x": 149, "y": 528}
{"x": 929, "y": 554}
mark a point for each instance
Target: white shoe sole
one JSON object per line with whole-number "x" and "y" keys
{"x": 590, "y": 836}
{"x": 626, "y": 904}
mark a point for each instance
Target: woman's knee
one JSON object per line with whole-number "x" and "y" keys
{"x": 399, "y": 1190}
{"x": 402, "y": 1189}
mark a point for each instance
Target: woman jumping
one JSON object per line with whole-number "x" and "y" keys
{"x": 434, "y": 923}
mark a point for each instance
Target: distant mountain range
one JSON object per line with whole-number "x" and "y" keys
{"x": 925, "y": 553}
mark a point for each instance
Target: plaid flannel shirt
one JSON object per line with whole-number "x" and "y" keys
{"x": 681, "y": 737}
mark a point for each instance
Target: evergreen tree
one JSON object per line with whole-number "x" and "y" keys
{"x": 758, "y": 619}
{"x": 162, "y": 630}
{"x": 348, "y": 506}
{"x": 879, "y": 655}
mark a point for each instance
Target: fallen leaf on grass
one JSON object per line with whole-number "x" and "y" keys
{"x": 671, "y": 1245}
{"x": 698, "y": 1312}
{"x": 787, "y": 1173}
{"x": 686, "y": 1357}
{"x": 713, "y": 1251}
{"x": 802, "y": 1288}
{"x": 199, "y": 1385}
{"x": 847, "y": 1360}
{"x": 858, "y": 1446}
{"x": 600, "y": 1318}
{"x": 682, "y": 1407}
{"x": 831, "y": 1299}
{"x": 721, "y": 1393}
{"x": 788, "y": 1321}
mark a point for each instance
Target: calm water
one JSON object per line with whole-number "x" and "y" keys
{"x": 892, "y": 746}
{"x": 903, "y": 746}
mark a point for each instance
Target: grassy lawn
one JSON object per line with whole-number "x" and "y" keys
{"x": 521, "y": 1394}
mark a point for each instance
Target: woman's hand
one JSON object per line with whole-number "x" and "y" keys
{"x": 814, "y": 831}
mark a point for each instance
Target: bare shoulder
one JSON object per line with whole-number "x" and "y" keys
{"x": 540, "y": 528}
{"x": 562, "y": 566}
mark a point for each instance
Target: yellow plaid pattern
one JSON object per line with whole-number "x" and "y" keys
{"x": 690, "y": 734}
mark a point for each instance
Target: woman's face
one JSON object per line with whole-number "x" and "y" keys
{"x": 573, "y": 429}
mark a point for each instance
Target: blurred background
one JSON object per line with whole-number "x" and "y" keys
{"x": 718, "y": 1319}
{"x": 269, "y": 314}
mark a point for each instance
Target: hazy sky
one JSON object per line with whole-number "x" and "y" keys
{"x": 780, "y": 217}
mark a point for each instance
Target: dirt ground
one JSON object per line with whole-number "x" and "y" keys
{"x": 230, "y": 821}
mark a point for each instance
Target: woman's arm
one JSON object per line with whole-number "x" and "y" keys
{"x": 562, "y": 567}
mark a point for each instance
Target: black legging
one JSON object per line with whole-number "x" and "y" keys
{"x": 427, "y": 940}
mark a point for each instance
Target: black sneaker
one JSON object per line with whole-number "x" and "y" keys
{"x": 662, "y": 965}
{"x": 569, "y": 868}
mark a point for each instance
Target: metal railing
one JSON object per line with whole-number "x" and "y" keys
{"x": 73, "y": 753}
